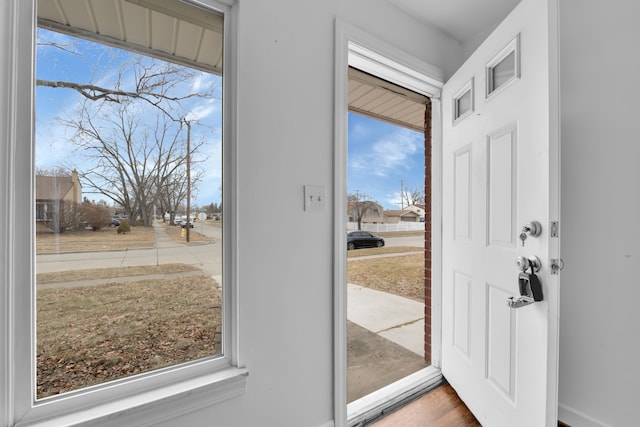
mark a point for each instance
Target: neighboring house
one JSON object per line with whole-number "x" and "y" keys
{"x": 418, "y": 209}
{"x": 396, "y": 216}
{"x": 52, "y": 190}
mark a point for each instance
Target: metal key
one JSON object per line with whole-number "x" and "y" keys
{"x": 523, "y": 237}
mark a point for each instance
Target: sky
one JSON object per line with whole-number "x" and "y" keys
{"x": 382, "y": 158}
{"x": 82, "y": 61}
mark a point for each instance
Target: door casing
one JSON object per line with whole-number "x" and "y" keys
{"x": 359, "y": 49}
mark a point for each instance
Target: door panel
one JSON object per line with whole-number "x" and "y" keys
{"x": 500, "y": 173}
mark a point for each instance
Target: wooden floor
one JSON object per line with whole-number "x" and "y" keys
{"x": 438, "y": 408}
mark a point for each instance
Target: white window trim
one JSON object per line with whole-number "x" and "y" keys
{"x": 358, "y": 48}
{"x": 140, "y": 400}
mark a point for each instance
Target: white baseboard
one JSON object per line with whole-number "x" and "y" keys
{"x": 575, "y": 418}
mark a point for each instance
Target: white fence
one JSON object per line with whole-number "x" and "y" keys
{"x": 378, "y": 228}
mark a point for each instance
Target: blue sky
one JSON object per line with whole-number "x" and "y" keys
{"x": 382, "y": 155}
{"x": 99, "y": 64}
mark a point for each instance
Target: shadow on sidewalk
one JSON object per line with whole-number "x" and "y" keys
{"x": 374, "y": 362}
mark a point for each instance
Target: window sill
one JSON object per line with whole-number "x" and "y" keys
{"x": 151, "y": 407}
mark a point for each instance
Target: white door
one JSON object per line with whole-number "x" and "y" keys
{"x": 500, "y": 172}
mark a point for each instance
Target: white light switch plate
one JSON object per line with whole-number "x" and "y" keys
{"x": 315, "y": 198}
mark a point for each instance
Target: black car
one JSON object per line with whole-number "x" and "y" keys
{"x": 363, "y": 239}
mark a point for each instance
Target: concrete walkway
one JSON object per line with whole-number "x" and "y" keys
{"x": 398, "y": 319}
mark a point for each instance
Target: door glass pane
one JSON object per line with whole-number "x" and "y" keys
{"x": 127, "y": 146}
{"x": 503, "y": 71}
{"x": 463, "y": 104}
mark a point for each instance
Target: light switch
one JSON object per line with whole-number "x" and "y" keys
{"x": 315, "y": 198}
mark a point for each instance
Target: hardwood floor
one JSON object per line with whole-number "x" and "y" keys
{"x": 438, "y": 408}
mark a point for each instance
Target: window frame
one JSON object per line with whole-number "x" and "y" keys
{"x": 157, "y": 395}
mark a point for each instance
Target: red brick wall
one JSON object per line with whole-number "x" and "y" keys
{"x": 427, "y": 233}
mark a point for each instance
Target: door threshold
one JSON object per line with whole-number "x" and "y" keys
{"x": 392, "y": 396}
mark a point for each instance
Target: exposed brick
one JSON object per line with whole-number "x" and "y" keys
{"x": 427, "y": 233}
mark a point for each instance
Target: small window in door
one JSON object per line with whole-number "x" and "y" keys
{"x": 504, "y": 68}
{"x": 463, "y": 102}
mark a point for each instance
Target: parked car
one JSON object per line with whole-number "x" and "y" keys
{"x": 114, "y": 222}
{"x": 363, "y": 239}
{"x": 183, "y": 224}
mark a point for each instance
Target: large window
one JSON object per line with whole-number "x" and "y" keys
{"x": 128, "y": 285}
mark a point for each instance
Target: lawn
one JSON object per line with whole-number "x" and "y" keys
{"x": 175, "y": 233}
{"x": 111, "y": 273}
{"x": 93, "y": 334}
{"x": 108, "y": 239}
{"x": 401, "y": 275}
{"x": 385, "y": 250}
{"x": 89, "y": 335}
{"x": 88, "y": 240}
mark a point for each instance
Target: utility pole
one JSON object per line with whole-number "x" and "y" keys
{"x": 188, "y": 225}
{"x": 402, "y": 193}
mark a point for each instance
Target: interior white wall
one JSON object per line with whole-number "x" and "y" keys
{"x": 599, "y": 315}
{"x": 286, "y": 130}
{"x": 285, "y": 140}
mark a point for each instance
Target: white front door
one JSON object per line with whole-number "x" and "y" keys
{"x": 500, "y": 172}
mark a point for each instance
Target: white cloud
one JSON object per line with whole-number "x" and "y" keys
{"x": 388, "y": 154}
{"x": 359, "y": 130}
{"x": 203, "y": 110}
{"x": 203, "y": 80}
{"x": 394, "y": 199}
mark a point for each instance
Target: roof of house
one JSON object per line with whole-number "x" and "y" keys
{"x": 400, "y": 213}
{"x": 52, "y": 187}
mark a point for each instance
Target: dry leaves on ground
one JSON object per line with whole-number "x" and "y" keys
{"x": 89, "y": 335}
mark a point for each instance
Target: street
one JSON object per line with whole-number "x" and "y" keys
{"x": 206, "y": 256}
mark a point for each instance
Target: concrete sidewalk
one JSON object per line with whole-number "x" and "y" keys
{"x": 385, "y": 339}
{"x": 398, "y": 319}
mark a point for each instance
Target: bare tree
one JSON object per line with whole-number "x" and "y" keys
{"x": 412, "y": 196}
{"x": 59, "y": 171}
{"x": 359, "y": 205}
{"x": 133, "y": 160}
{"x": 66, "y": 215}
{"x": 173, "y": 193}
{"x": 154, "y": 83}
{"x": 129, "y": 127}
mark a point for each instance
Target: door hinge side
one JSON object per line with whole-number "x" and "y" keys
{"x": 556, "y": 264}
